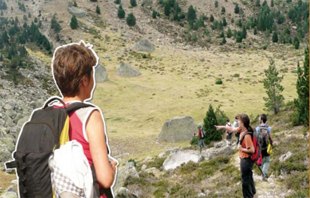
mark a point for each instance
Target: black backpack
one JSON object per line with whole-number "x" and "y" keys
{"x": 263, "y": 137}
{"x": 37, "y": 141}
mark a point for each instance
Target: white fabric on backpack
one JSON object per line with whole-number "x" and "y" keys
{"x": 71, "y": 171}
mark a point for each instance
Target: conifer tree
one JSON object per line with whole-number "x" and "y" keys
{"x": 216, "y": 4}
{"x": 133, "y": 3}
{"x": 274, "y": 100}
{"x": 211, "y": 18}
{"x": 154, "y": 14}
{"x": 131, "y": 20}
{"x": 224, "y": 22}
{"x": 223, "y": 10}
{"x": 208, "y": 126}
{"x": 275, "y": 37}
{"x": 229, "y": 33}
{"x": 74, "y": 23}
{"x": 302, "y": 85}
{"x": 121, "y": 12}
{"x": 98, "y": 10}
{"x": 117, "y": 1}
{"x": 167, "y": 9}
{"x": 237, "y": 9}
{"x": 191, "y": 15}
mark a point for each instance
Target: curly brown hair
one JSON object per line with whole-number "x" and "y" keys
{"x": 70, "y": 64}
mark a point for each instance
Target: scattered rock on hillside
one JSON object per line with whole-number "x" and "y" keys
{"x": 9, "y": 195}
{"x": 78, "y": 12}
{"x": 126, "y": 70}
{"x": 211, "y": 153}
{"x": 178, "y": 129}
{"x": 123, "y": 173}
{"x": 144, "y": 46}
{"x": 178, "y": 157}
{"x": 285, "y": 156}
{"x": 101, "y": 74}
{"x": 125, "y": 193}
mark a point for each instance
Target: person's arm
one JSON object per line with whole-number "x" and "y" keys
{"x": 228, "y": 128}
{"x": 249, "y": 147}
{"x": 270, "y": 136}
{"x": 105, "y": 170}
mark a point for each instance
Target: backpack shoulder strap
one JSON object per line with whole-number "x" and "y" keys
{"x": 53, "y": 99}
{"x": 247, "y": 132}
{"x": 76, "y": 106}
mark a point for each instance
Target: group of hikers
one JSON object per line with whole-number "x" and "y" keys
{"x": 247, "y": 140}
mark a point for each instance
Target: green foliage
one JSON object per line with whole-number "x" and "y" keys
{"x": 191, "y": 15}
{"x": 224, "y": 22}
{"x": 216, "y": 4}
{"x": 208, "y": 126}
{"x": 133, "y": 3}
{"x": 167, "y": 9}
{"x": 131, "y": 20}
{"x": 275, "y": 37}
{"x": 21, "y": 6}
{"x": 117, "y": 1}
{"x": 93, "y": 0}
{"x": 157, "y": 162}
{"x": 74, "y": 23}
{"x": 55, "y": 25}
{"x": 98, "y": 10}
{"x": 221, "y": 117}
{"x": 133, "y": 161}
{"x": 3, "y": 5}
{"x": 236, "y": 75}
{"x": 75, "y": 4}
{"x": 154, "y": 14}
{"x": 272, "y": 3}
{"x": 239, "y": 36}
{"x": 211, "y": 18}
{"x": 229, "y": 33}
{"x": 244, "y": 32}
{"x": 121, "y": 12}
{"x": 223, "y": 10}
{"x": 257, "y": 3}
{"x": 265, "y": 18}
{"x": 255, "y": 31}
{"x": 302, "y": 86}
{"x": 219, "y": 82}
{"x": 275, "y": 99}
{"x": 296, "y": 43}
{"x": 237, "y": 9}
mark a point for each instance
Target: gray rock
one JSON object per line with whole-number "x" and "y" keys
{"x": 78, "y": 12}
{"x": 144, "y": 46}
{"x": 125, "y": 193}
{"x": 123, "y": 173}
{"x": 213, "y": 152}
{"x": 9, "y": 195}
{"x": 101, "y": 74}
{"x": 126, "y": 70}
{"x": 8, "y": 107}
{"x": 179, "y": 157}
{"x": 5, "y": 154}
{"x": 106, "y": 56}
{"x": 201, "y": 195}
{"x": 143, "y": 167}
{"x": 220, "y": 144}
{"x": 178, "y": 129}
{"x": 285, "y": 156}
{"x": 20, "y": 122}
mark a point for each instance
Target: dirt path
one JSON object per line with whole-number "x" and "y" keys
{"x": 271, "y": 189}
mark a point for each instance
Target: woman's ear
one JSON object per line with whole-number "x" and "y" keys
{"x": 84, "y": 81}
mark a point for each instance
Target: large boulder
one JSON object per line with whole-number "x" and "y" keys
{"x": 101, "y": 74}
{"x": 213, "y": 152}
{"x": 178, "y": 157}
{"x": 126, "y": 70}
{"x": 178, "y": 129}
{"x": 144, "y": 46}
{"x": 78, "y": 12}
{"x": 123, "y": 173}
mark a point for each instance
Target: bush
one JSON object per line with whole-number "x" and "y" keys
{"x": 134, "y": 162}
{"x": 121, "y": 12}
{"x": 131, "y": 20}
{"x": 236, "y": 75}
{"x": 219, "y": 82}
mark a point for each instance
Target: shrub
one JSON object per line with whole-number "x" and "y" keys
{"x": 131, "y": 20}
{"x": 219, "y": 82}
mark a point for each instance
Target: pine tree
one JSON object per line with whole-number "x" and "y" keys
{"x": 117, "y": 1}
{"x": 167, "y": 9}
{"x": 98, "y": 10}
{"x": 191, "y": 15}
{"x": 275, "y": 99}
{"x": 93, "y": 0}
{"x": 216, "y": 4}
{"x": 296, "y": 43}
{"x": 223, "y": 10}
{"x": 211, "y": 18}
{"x": 272, "y": 3}
{"x": 74, "y": 23}
{"x": 229, "y": 33}
{"x": 275, "y": 37}
{"x": 223, "y": 41}
{"x": 257, "y": 3}
{"x": 133, "y": 3}
{"x": 244, "y": 32}
{"x": 55, "y": 25}
{"x": 121, "y": 12}
{"x": 154, "y": 14}
{"x": 131, "y": 20}
{"x": 208, "y": 126}
{"x": 224, "y": 22}
{"x": 302, "y": 85}
{"x": 75, "y": 4}
{"x": 255, "y": 31}
{"x": 237, "y": 9}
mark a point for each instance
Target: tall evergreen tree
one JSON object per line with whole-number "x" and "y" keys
{"x": 75, "y": 4}
{"x": 98, "y": 10}
{"x": 154, "y": 14}
{"x": 216, "y": 4}
{"x": 117, "y": 1}
{"x": 167, "y": 9}
{"x": 275, "y": 37}
{"x": 191, "y": 15}
{"x": 131, "y": 20}
{"x": 275, "y": 99}
{"x": 224, "y": 22}
{"x": 302, "y": 86}
{"x": 211, "y": 18}
{"x": 133, "y": 3}
{"x": 74, "y": 23}
{"x": 121, "y": 12}
{"x": 237, "y": 9}
{"x": 296, "y": 42}
{"x": 272, "y": 3}
{"x": 55, "y": 25}
{"x": 229, "y": 33}
{"x": 208, "y": 126}
{"x": 223, "y": 10}
{"x": 244, "y": 32}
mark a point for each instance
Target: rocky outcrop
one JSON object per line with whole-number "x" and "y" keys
{"x": 101, "y": 74}
{"x": 125, "y": 193}
{"x": 126, "y": 70}
{"x": 123, "y": 173}
{"x": 144, "y": 46}
{"x": 178, "y": 157}
{"x": 78, "y": 12}
{"x": 213, "y": 152}
{"x": 178, "y": 129}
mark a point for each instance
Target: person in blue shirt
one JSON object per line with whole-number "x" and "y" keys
{"x": 263, "y": 128}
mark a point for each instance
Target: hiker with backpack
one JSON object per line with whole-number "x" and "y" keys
{"x": 246, "y": 151}
{"x": 265, "y": 138}
{"x": 228, "y": 133}
{"x": 45, "y": 160}
{"x": 236, "y": 125}
{"x": 201, "y": 137}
